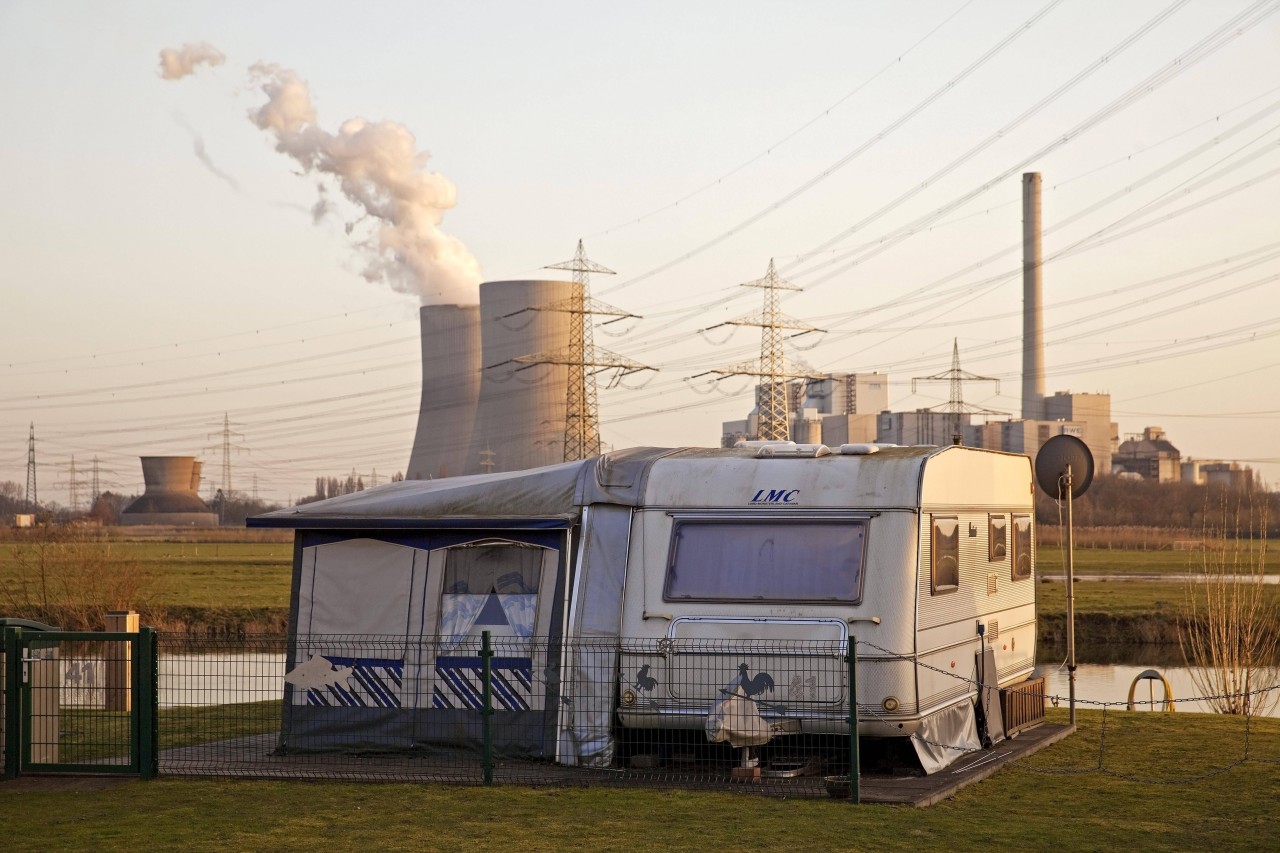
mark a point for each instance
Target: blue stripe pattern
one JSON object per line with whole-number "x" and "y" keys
{"x": 460, "y": 683}
{"x": 371, "y": 683}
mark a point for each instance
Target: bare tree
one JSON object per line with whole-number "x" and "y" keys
{"x": 1230, "y": 626}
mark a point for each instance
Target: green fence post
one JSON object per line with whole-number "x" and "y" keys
{"x": 486, "y": 713}
{"x": 146, "y": 701}
{"x": 855, "y": 771}
{"x": 12, "y": 702}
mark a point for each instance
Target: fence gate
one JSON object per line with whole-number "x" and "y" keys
{"x": 80, "y": 702}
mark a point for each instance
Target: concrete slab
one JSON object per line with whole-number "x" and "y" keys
{"x": 254, "y": 757}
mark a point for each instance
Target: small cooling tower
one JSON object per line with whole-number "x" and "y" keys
{"x": 520, "y": 420}
{"x": 170, "y": 497}
{"x": 450, "y": 391}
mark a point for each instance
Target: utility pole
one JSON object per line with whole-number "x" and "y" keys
{"x": 773, "y": 365}
{"x": 583, "y": 360}
{"x": 956, "y": 406}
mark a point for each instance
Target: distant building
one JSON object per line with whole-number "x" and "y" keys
{"x": 1151, "y": 456}
{"x": 1228, "y": 475}
{"x": 839, "y": 408}
{"x": 1092, "y": 412}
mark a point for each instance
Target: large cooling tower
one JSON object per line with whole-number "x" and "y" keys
{"x": 450, "y": 391}
{"x": 520, "y": 420}
{"x": 170, "y": 497}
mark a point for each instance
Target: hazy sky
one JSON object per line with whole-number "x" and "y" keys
{"x": 172, "y": 253}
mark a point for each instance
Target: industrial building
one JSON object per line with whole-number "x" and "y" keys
{"x": 1150, "y": 455}
{"x": 838, "y": 408}
{"x": 853, "y": 407}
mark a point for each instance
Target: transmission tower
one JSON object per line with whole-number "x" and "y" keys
{"x": 32, "y": 497}
{"x": 74, "y": 487}
{"x": 94, "y": 491}
{"x": 956, "y": 407}
{"x": 583, "y": 360}
{"x": 226, "y": 434}
{"x": 487, "y": 460}
{"x": 773, "y": 366}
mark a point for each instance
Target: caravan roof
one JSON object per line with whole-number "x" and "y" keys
{"x": 645, "y": 476}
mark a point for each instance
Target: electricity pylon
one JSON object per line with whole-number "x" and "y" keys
{"x": 582, "y": 358}
{"x": 32, "y": 498}
{"x": 225, "y": 449}
{"x": 956, "y": 407}
{"x": 773, "y": 365}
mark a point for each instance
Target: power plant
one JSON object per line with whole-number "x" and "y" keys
{"x": 1087, "y": 416}
{"x": 481, "y": 409}
{"x": 171, "y": 496}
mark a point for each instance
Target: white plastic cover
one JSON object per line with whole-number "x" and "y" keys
{"x": 736, "y": 718}
{"x": 945, "y": 736}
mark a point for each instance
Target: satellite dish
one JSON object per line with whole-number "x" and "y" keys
{"x": 1052, "y": 461}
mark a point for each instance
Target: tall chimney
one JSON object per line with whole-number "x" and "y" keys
{"x": 1032, "y": 296}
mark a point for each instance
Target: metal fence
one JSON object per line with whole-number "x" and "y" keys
{"x": 769, "y": 717}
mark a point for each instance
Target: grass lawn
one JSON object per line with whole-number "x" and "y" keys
{"x": 1051, "y": 560}
{"x": 1015, "y": 809}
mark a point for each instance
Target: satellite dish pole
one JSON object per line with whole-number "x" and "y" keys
{"x": 1064, "y": 469}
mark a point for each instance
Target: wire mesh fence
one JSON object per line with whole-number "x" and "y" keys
{"x": 768, "y": 718}
{"x": 524, "y": 710}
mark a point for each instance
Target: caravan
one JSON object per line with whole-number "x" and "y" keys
{"x": 654, "y": 590}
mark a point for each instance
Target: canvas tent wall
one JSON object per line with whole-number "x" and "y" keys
{"x": 392, "y": 587}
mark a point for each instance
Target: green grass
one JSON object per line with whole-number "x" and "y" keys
{"x": 1016, "y": 809}
{"x": 1100, "y": 561}
{"x": 88, "y": 735}
{"x": 224, "y": 578}
{"x": 199, "y": 574}
{"x": 205, "y": 724}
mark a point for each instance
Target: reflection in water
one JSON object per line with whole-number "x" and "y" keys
{"x": 194, "y": 680}
{"x": 1097, "y": 683}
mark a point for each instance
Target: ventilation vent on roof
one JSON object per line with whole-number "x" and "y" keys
{"x": 791, "y": 451}
{"x": 858, "y": 449}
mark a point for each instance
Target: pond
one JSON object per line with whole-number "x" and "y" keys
{"x": 1110, "y": 683}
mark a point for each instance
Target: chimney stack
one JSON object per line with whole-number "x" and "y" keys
{"x": 1032, "y": 296}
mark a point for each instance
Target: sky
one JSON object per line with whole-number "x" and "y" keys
{"x": 235, "y": 256}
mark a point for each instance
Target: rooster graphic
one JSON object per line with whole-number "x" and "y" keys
{"x": 753, "y": 685}
{"x": 645, "y": 681}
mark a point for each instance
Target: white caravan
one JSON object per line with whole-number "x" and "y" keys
{"x": 636, "y": 591}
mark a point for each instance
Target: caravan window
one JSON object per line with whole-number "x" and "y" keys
{"x": 1021, "y": 547}
{"x": 792, "y": 560}
{"x": 945, "y": 550}
{"x": 997, "y": 538}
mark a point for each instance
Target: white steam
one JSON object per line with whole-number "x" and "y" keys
{"x": 176, "y": 64}
{"x": 377, "y": 167}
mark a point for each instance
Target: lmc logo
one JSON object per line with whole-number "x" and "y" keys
{"x": 776, "y": 496}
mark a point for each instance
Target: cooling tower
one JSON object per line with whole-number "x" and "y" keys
{"x": 1032, "y": 295}
{"x": 170, "y": 497}
{"x": 450, "y": 391}
{"x": 520, "y": 420}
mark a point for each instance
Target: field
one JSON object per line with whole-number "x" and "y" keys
{"x": 1015, "y": 809}
{"x": 188, "y": 584}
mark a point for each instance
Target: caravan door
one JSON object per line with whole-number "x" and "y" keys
{"x": 512, "y": 590}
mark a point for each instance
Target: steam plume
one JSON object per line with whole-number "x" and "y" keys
{"x": 176, "y": 64}
{"x": 376, "y": 166}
